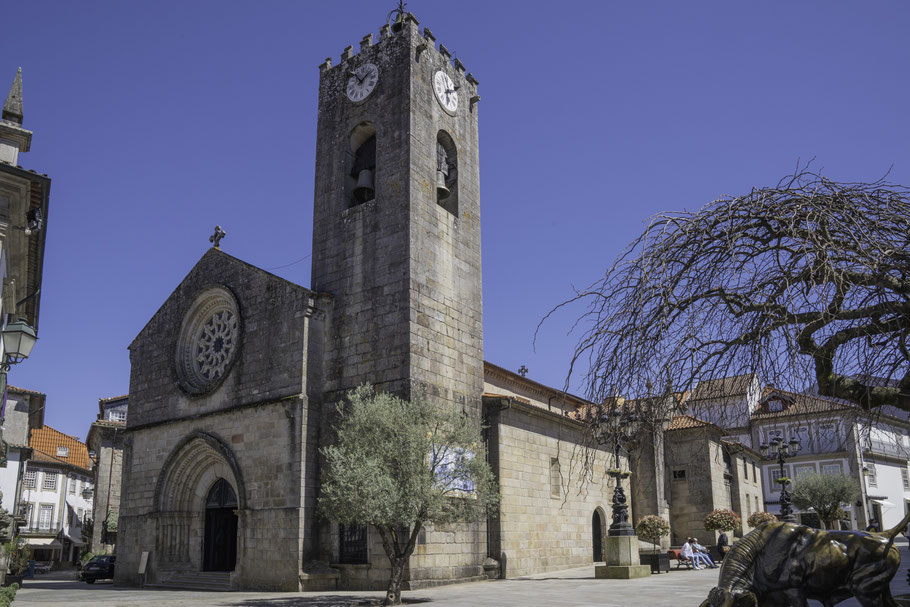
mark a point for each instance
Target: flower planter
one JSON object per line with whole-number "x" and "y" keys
{"x": 658, "y": 562}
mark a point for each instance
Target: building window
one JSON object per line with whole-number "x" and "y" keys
{"x": 28, "y": 515}
{"x": 50, "y": 481}
{"x": 775, "y": 406}
{"x": 63, "y": 451}
{"x": 757, "y": 506}
{"x": 775, "y": 474}
{"x": 754, "y": 472}
{"x": 803, "y": 469}
{"x": 30, "y": 479}
{"x": 45, "y": 516}
{"x": 352, "y": 544}
{"x": 871, "y": 476}
{"x": 72, "y": 485}
{"x": 905, "y": 476}
{"x": 745, "y": 469}
{"x": 828, "y": 439}
{"x": 555, "y": 477}
{"x": 679, "y": 474}
{"x": 831, "y": 469}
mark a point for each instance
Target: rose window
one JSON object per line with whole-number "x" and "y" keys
{"x": 208, "y": 342}
{"x": 216, "y": 344}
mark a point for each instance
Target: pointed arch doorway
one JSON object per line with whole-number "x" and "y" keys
{"x": 219, "y": 548}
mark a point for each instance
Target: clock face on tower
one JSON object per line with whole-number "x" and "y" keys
{"x": 446, "y": 92}
{"x": 362, "y": 82}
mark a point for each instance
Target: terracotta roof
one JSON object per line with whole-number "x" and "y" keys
{"x": 685, "y": 422}
{"x": 722, "y": 387}
{"x": 24, "y": 391}
{"x": 45, "y": 440}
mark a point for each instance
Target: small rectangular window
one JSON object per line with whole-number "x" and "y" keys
{"x": 754, "y": 472}
{"x": 555, "y": 477}
{"x": 871, "y": 475}
{"x": 745, "y": 469}
{"x": 905, "y": 476}
{"x": 72, "y": 485}
{"x": 679, "y": 474}
{"x": 30, "y": 479}
{"x": 50, "y": 481}
{"x": 63, "y": 451}
{"x": 831, "y": 469}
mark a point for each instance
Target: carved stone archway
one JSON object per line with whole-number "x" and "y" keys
{"x": 194, "y": 465}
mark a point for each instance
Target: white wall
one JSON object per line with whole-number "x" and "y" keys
{"x": 8, "y": 477}
{"x": 890, "y": 485}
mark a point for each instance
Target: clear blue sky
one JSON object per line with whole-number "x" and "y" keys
{"x": 157, "y": 120}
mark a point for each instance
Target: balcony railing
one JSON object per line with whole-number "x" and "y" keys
{"x": 44, "y": 529}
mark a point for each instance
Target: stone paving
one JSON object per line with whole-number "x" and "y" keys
{"x": 571, "y": 588}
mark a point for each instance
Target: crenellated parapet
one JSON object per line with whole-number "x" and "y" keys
{"x": 423, "y": 46}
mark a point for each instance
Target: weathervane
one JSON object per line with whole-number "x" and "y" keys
{"x": 215, "y": 238}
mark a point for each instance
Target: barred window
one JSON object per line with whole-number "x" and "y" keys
{"x": 30, "y": 479}
{"x": 50, "y": 481}
{"x": 352, "y": 544}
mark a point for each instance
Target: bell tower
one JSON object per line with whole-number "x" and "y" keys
{"x": 396, "y": 230}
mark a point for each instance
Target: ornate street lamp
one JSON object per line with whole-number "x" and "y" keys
{"x": 18, "y": 340}
{"x": 780, "y": 450}
{"x": 619, "y": 427}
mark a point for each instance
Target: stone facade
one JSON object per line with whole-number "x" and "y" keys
{"x": 251, "y": 429}
{"x": 105, "y": 443}
{"x": 707, "y": 473}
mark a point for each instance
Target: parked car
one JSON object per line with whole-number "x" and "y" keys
{"x": 98, "y": 568}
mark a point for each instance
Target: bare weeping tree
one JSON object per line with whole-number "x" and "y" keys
{"x": 804, "y": 283}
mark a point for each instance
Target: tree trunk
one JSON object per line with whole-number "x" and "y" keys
{"x": 393, "y": 593}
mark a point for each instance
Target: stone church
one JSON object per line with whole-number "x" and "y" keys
{"x": 231, "y": 376}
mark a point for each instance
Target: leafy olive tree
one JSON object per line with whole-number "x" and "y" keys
{"x": 826, "y": 493}
{"x": 802, "y": 283}
{"x": 397, "y": 465}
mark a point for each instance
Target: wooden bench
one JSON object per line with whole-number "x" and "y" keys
{"x": 675, "y": 553}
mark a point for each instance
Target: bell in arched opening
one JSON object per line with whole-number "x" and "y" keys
{"x": 364, "y": 190}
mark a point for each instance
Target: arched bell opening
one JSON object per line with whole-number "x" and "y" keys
{"x": 446, "y": 177}
{"x": 360, "y": 179}
{"x": 598, "y": 527}
{"x": 219, "y": 546}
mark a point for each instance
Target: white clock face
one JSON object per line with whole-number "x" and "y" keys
{"x": 362, "y": 82}
{"x": 445, "y": 91}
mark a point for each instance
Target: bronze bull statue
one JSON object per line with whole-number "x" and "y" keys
{"x": 785, "y": 565}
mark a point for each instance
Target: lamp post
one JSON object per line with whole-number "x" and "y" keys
{"x": 18, "y": 340}
{"x": 619, "y": 427}
{"x": 780, "y": 450}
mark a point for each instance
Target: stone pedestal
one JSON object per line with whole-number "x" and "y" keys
{"x": 622, "y": 559}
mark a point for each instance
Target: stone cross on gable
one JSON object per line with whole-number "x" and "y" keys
{"x": 215, "y": 238}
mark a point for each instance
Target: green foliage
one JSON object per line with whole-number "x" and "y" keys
{"x": 760, "y": 518}
{"x": 652, "y": 527}
{"x": 398, "y": 464}
{"x": 112, "y": 518}
{"x": 19, "y": 555}
{"x": 826, "y": 493}
{"x": 7, "y": 594}
{"x": 722, "y": 520}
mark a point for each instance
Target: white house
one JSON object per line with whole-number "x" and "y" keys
{"x": 57, "y": 490}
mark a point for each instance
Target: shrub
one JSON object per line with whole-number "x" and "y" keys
{"x": 652, "y": 527}
{"x": 760, "y": 518}
{"x": 19, "y": 555}
{"x": 722, "y": 520}
{"x": 8, "y": 594}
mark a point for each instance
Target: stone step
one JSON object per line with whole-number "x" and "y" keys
{"x": 216, "y": 581}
